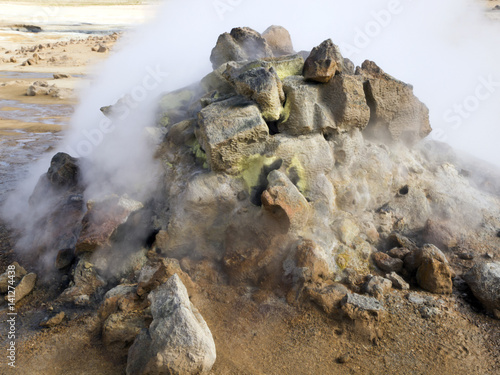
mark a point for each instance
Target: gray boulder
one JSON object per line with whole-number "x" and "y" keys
{"x": 229, "y": 131}
{"x": 304, "y": 111}
{"x": 262, "y": 85}
{"x": 484, "y": 281}
{"x": 178, "y": 340}
{"x": 397, "y": 114}
{"x": 345, "y": 96}
{"x": 241, "y": 44}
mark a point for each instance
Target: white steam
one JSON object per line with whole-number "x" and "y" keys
{"x": 446, "y": 49}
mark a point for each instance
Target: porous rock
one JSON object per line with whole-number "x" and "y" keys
{"x": 229, "y": 131}
{"x": 484, "y": 281}
{"x": 283, "y": 194}
{"x": 323, "y": 62}
{"x": 241, "y": 44}
{"x": 178, "y": 340}
{"x": 396, "y": 113}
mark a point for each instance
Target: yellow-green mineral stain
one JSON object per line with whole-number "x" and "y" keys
{"x": 250, "y": 169}
{"x": 297, "y": 174}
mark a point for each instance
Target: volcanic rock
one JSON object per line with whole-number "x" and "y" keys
{"x": 484, "y": 281}
{"x": 85, "y": 283}
{"x": 19, "y": 272}
{"x": 261, "y": 85}
{"x": 323, "y": 62}
{"x": 397, "y": 281}
{"x": 387, "y": 263}
{"x": 328, "y": 297}
{"x": 178, "y": 340}
{"x": 283, "y": 195}
{"x": 54, "y": 321}
{"x": 63, "y": 170}
{"x": 230, "y": 131}
{"x": 396, "y": 113}
{"x": 345, "y": 96}
{"x": 311, "y": 259}
{"x": 102, "y": 220}
{"x": 435, "y": 276}
{"x": 25, "y": 286}
{"x": 304, "y": 111}
{"x": 241, "y": 44}
{"x": 120, "y": 330}
{"x": 377, "y": 286}
{"x": 362, "y": 307}
{"x": 279, "y": 40}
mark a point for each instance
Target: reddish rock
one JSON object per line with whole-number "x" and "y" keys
{"x": 387, "y": 263}
{"x": 283, "y": 194}
{"x": 101, "y": 221}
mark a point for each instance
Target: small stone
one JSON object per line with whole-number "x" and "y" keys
{"x": 377, "y": 286}
{"x": 54, "y": 321}
{"x": 25, "y": 287}
{"x": 415, "y": 298}
{"x": 387, "y": 263}
{"x": 357, "y": 306}
{"x": 344, "y": 358}
{"x": 398, "y": 252}
{"x": 397, "y": 281}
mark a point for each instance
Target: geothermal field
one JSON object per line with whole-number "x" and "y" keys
{"x": 236, "y": 187}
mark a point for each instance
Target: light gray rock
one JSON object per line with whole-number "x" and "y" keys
{"x": 241, "y": 44}
{"x": 397, "y": 114}
{"x": 304, "y": 111}
{"x": 484, "y": 281}
{"x": 178, "y": 340}
{"x": 229, "y": 131}
{"x": 262, "y": 85}
{"x": 357, "y": 306}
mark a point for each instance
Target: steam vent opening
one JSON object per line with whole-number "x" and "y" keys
{"x": 404, "y": 190}
{"x": 268, "y": 195}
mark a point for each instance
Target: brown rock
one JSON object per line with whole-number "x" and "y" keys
{"x": 102, "y": 220}
{"x": 283, "y": 195}
{"x": 435, "y": 276}
{"x": 54, "y": 321}
{"x": 387, "y": 263}
{"x": 279, "y": 40}
{"x": 397, "y": 114}
{"x": 328, "y": 297}
{"x": 24, "y": 288}
{"x": 311, "y": 257}
{"x": 399, "y": 252}
{"x": 414, "y": 259}
{"x": 323, "y": 62}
